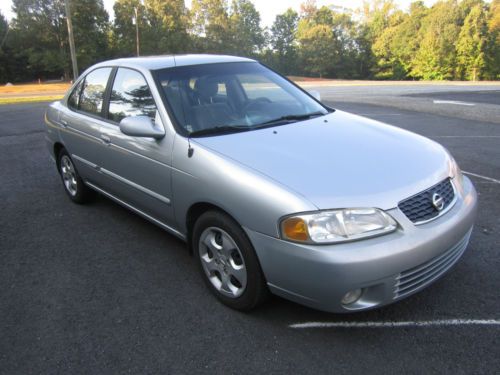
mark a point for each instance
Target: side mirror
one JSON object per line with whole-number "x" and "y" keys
{"x": 315, "y": 94}
{"x": 141, "y": 126}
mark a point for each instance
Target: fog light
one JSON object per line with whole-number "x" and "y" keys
{"x": 352, "y": 296}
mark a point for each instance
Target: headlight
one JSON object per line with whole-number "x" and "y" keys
{"x": 337, "y": 225}
{"x": 456, "y": 172}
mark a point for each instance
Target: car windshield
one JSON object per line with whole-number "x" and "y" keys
{"x": 232, "y": 97}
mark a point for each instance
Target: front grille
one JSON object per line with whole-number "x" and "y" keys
{"x": 419, "y": 208}
{"x": 416, "y": 278}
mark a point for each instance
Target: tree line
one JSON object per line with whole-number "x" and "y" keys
{"x": 455, "y": 40}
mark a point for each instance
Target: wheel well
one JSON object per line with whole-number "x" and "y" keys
{"x": 57, "y": 149}
{"x": 194, "y": 212}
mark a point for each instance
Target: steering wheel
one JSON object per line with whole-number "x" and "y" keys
{"x": 249, "y": 106}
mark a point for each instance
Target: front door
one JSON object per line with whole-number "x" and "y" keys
{"x": 137, "y": 168}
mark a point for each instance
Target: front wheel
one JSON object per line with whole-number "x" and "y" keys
{"x": 228, "y": 262}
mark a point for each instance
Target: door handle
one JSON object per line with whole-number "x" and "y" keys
{"x": 64, "y": 123}
{"x": 105, "y": 139}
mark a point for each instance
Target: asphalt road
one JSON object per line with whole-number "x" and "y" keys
{"x": 97, "y": 289}
{"x": 476, "y": 102}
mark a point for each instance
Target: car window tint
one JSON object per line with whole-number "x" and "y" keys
{"x": 74, "y": 98}
{"x": 130, "y": 96}
{"x": 92, "y": 95}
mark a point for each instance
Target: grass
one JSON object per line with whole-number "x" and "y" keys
{"x": 29, "y": 99}
{"x": 34, "y": 88}
{"x": 33, "y": 92}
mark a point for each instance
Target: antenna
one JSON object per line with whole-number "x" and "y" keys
{"x": 190, "y": 149}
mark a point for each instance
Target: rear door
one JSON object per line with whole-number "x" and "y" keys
{"x": 137, "y": 168}
{"x": 81, "y": 123}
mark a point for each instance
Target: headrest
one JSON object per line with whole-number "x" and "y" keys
{"x": 206, "y": 87}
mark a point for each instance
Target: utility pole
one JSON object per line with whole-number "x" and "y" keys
{"x": 137, "y": 31}
{"x": 71, "y": 40}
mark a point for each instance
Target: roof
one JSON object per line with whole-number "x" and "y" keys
{"x": 168, "y": 61}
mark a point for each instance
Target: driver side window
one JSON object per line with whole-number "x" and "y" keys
{"x": 130, "y": 96}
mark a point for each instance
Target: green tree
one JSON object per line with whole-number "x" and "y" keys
{"x": 317, "y": 55}
{"x": 124, "y": 28}
{"x": 398, "y": 43}
{"x": 328, "y": 43}
{"x": 316, "y": 38}
{"x": 91, "y": 27}
{"x": 210, "y": 25}
{"x": 40, "y": 35}
{"x": 4, "y": 58}
{"x": 283, "y": 41}
{"x": 494, "y": 19}
{"x": 247, "y": 35}
{"x": 492, "y": 58}
{"x": 346, "y": 44}
{"x": 408, "y": 38}
{"x": 436, "y": 57}
{"x": 167, "y": 28}
{"x": 471, "y": 45}
{"x": 375, "y": 18}
{"x": 4, "y": 28}
{"x": 388, "y": 64}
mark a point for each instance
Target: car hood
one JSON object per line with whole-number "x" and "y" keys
{"x": 339, "y": 160}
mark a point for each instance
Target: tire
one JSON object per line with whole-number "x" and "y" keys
{"x": 73, "y": 184}
{"x": 227, "y": 261}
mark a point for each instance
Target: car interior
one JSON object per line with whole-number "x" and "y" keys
{"x": 223, "y": 100}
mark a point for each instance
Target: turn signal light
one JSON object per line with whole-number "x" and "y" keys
{"x": 295, "y": 229}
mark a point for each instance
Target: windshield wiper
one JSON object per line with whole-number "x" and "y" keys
{"x": 289, "y": 118}
{"x": 227, "y": 129}
{"x": 224, "y": 129}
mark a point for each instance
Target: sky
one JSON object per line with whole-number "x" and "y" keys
{"x": 268, "y": 9}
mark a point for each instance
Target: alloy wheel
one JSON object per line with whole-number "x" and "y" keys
{"x": 222, "y": 262}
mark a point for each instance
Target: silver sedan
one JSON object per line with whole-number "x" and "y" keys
{"x": 272, "y": 190}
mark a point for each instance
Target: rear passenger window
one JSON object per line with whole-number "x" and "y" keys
{"x": 130, "y": 96}
{"x": 92, "y": 95}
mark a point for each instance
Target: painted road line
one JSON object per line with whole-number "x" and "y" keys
{"x": 425, "y": 323}
{"x": 455, "y": 102}
{"x": 483, "y": 177}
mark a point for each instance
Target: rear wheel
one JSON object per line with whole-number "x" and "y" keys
{"x": 73, "y": 184}
{"x": 228, "y": 262}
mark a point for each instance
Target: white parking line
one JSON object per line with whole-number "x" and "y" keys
{"x": 455, "y": 102}
{"x": 483, "y": 177}
{"x": 428, "y": 323}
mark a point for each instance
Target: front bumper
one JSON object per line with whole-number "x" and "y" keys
{"x": 386, "y": 268}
